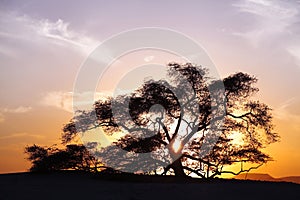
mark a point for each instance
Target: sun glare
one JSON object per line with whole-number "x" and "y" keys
{"x": 237, "y": 138}
{"x": 176, "y": 145}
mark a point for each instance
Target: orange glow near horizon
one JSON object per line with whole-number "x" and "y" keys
{"x": 43, "y": 48}
{"x": 36, "y": 130}
{"x": 13, "y": 159}
{"x": 43, "y": 126}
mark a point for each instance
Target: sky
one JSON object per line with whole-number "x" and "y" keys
{"x": 43, "y": 44}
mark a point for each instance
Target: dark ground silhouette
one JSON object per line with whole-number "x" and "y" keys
{"x": 76, "y": 185}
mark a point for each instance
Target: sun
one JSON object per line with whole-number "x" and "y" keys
{"x": 176, "y": 145}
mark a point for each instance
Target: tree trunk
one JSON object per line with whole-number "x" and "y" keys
{"x": 177, "y": 167}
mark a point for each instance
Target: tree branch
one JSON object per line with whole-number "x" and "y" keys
{"x": 178, "y": 125}
{"x": 165, "y": 130}
{"x": 241, "y": 171}
{"x": 194, "y": 171}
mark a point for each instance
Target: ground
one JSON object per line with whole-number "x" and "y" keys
{"x": 73, "y": 185}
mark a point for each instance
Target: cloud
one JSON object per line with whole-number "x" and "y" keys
{"x": 148, "y": 58}
{"x": 17, "y": 110}
{"x": 20, "y": 109}
{"x": 20, "y": 135}
{"x": 17, "y": 141}
{"x": 287, "y": 117}
{"x": 58, "y": 99}
{"x": 294, "y": 51}
{"x": 273, "y": 17}
{"x": 288, "y": 110}
{"x": 2, "y": 119}
{"x": 60, "y": 31}
{"x": 42, "y": 31}
{"x": 268, "y": 9}
{"x": 64, "y": 100}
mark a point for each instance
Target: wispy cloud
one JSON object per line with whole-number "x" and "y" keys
{"x": 268, "y": 8}
{"x": 17, "y": 110}
{"x": 287, "y": 115}
{"x": 294, "y": 51}
{"x": 58, "y": 99}
{"x": 60, "y": 31}
{"x": 272, "y": 17}
{"x": 64, "y": 100}
{"x": 43, "y": 31}
{"x": 2, "y": 119}
{"x": 20, "y": 109}
{"x": 288, "y": 110}
{"x": 20, "y": 135}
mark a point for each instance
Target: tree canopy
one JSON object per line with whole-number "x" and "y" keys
{"x": 243, "y": 118}
{"x": 180, "y": 117}
{"x": 74, "y": 157}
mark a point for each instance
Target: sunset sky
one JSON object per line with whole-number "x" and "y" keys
{"x": 44, "y": 43}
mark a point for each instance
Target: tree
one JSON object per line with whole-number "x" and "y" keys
{"x": 195, "y": 109}
{"x": 76, "y": 157}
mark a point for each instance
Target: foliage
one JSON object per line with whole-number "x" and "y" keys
{"x": 243, "y": 118}
{"x": 74, "y": 157}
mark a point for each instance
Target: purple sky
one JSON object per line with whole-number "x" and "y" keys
{"x": 44, "y": 43}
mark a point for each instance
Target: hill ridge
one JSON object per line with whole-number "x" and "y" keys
{"x": 267, "y": 177}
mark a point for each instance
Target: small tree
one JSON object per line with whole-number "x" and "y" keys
{"x": 76, "y": 157}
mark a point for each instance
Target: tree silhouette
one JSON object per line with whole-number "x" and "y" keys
{"x": 155, "y": 116}
{"x": 74, "y": 156}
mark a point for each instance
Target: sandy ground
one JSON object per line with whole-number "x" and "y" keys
{"x": 83, "y": 186}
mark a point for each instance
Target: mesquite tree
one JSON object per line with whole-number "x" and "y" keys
{"x": 240, "y": 133}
